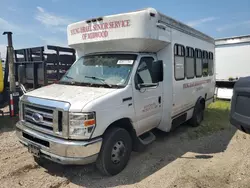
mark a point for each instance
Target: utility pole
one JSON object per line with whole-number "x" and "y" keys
{"x": 10, "y": 52}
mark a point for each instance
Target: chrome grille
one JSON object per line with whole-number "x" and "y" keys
{"x": 54, "y": 115}
{"x": 46, "y": 122}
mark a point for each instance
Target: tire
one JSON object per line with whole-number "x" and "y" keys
{"x": 198, "y": 114}
{"x": 117, "y": 144}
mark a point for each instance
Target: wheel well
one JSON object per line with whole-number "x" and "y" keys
{"x": 202, "y": 102}
{"x": 126, "y": 124}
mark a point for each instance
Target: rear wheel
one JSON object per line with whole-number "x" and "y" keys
{"x": 198, "y": 114}
{"x": 115, "y": 151}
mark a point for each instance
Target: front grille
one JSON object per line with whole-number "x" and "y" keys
{"x": 44, "y": 118}
{"x": 39, "y": 124}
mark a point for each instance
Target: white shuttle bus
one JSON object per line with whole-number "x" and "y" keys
{"x": 136, "y": 71}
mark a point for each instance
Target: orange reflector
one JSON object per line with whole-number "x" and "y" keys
{"x": 89, "y": 122}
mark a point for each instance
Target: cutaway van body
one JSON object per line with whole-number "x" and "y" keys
{"x": 232, "y": 62}
{"x": 135, "y": 72}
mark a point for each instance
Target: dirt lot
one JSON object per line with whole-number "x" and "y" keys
{"x": 212, "y": 155}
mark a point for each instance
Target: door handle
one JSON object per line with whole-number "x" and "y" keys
{"x": 159, "y": 99}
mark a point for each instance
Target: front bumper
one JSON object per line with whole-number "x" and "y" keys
{"x": 57, "y": 149}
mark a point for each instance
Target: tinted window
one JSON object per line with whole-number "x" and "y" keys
{"x": 205, "y": 63}
{"x": 189, "y": 62}
{"x": 179, "y": 62}
{"x": 211, "y": 63}
{"x": 198, "y": 62}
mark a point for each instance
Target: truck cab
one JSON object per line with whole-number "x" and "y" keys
{"x": 129, "y": 78}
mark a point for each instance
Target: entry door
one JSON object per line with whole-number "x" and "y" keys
{"x": 148, "y": 101}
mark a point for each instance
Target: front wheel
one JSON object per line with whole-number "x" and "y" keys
{"x": 115, "y": 151}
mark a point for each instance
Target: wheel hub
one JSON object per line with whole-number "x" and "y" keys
{"x": 117, "y": 152}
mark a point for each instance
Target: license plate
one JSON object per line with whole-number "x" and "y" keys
{"x": 34, "y": 150}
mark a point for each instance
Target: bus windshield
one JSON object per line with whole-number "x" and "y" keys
{"x": 108, "y": 70}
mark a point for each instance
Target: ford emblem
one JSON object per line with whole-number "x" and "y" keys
{"x": 38, "y": 118}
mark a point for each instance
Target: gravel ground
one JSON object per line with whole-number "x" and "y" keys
{"x": 173, "y": 160}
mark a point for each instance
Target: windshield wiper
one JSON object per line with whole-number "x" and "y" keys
{"x": 75, "y": 83}
{"x": 69, "y": 77}
{"x": 100, "y": 79}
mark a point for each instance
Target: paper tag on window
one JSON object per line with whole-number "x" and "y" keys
{"x": 125, "y": 62}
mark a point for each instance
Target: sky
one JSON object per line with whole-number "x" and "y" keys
{"x": 39, "y": 23}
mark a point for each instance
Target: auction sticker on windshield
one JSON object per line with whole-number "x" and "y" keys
{"x": 125, "y": 62}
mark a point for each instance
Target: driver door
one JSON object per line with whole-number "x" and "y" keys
{"x": 147, "y": 100}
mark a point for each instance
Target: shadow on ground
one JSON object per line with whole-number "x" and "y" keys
{"x": 7, "y": 123}
{"x": 211, "y": 137}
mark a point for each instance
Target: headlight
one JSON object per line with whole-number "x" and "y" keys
{"x": 81, "y": 125}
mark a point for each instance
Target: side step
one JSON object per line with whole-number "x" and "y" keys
{"x": 141, "y": 142}
{"x": 147, "y": 138}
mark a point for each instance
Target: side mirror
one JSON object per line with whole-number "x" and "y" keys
{"x": 157, "y": 71}
{"x": 21, "y": 74}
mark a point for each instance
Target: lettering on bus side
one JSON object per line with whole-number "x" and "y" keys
{"x": 194, "y": 84}
{"x": 100, "y": 30}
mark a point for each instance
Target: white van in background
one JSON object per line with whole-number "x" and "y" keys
{"x": 232, "y": 62}
{"x": 136, "y": 71}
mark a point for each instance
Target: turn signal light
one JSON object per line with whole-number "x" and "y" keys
{"x": 89, "y": 122}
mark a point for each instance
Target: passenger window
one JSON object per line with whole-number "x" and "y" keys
{"x": 211, "y": 64}
{"x": 198, "y": 63}
{"x": 179, "y": 62}
{"x": 189, "y": 62}
{"x": 175, "y": 49}
{"x": 204, "y": 63}
{"x": 144, "y": 70}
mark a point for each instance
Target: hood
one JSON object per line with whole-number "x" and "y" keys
{"x": 77, "y": 96}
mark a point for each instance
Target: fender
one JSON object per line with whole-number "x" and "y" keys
{"x": 127, "y": 124}
{"x": 200, "y": 100}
